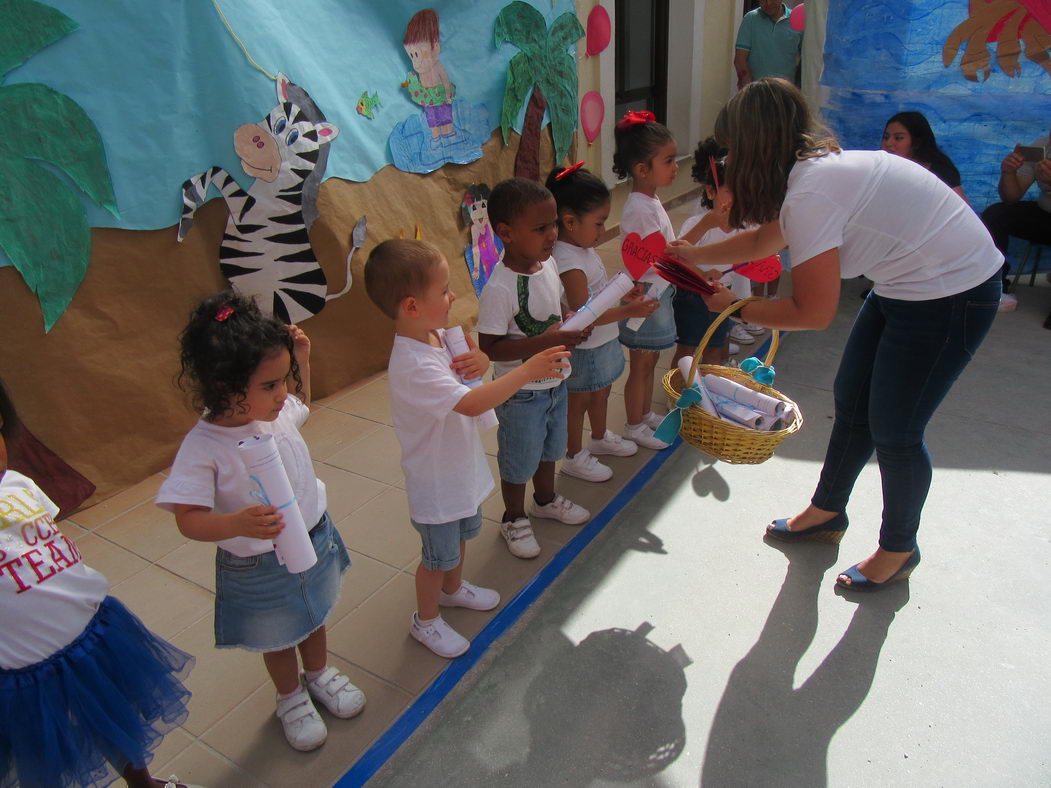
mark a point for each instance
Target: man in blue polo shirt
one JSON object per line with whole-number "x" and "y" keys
{"x": 767, "y": 46}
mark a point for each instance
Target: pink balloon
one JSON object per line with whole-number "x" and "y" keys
{"x": 795, "y": 18}
{"x": 592, "y": 110}
{"x": 598, "y": 30}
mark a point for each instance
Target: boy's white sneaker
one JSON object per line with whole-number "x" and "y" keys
{"x": 642, "y": 434}
{"x": 751, "y": 328}
{"x": 439, "y": 637}
{"x": 652, "y": 420}
{"x": 520, "y": 539}
{"x": 615, "y": 445}
{"x": 334, "y": 691}
{"x": 303, "y": 726}
{"x": 734, "y": 349}
{"x": 470, "y": 596}
{"x": 561, "y": 509}
{"x": 584, "y": 466}
{"x": 738, "y": 334}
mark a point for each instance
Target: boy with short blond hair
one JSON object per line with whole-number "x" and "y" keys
{"x": 446, "y": 473}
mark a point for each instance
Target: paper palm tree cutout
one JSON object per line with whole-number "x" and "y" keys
{"x": 542, "y": 72}
{"x": 45, "y": 232}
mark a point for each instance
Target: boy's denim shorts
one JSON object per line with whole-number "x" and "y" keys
{"x": 657, "y": 332}
{"x": 595, "y": 368}
{"x": 441, "y": 541}
{"x": 692, "y": 319}
{"x": 532, "y": 430}
{"x": 261, "y": 606}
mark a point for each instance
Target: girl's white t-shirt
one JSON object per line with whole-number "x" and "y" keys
{"x": 446, "y": 474}
{"x": 645, "y": 215}
{"x": 573, "y": 258}
{"x": 48, "y": 595}
{"x": 208, "y": 471}
{"x": 892, "y": 220}
{"x": 738, "y": 285}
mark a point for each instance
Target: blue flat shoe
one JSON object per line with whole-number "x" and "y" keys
{"x": 858, "y": 581}
{"x": 830, "y": 532}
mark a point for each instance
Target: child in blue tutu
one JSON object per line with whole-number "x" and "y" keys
{"x": 250, "y": 375}
{"x": 86, "y": 691}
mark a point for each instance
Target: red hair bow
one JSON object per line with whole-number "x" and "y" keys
{"x": 568, "y": 170}
{"x": 224, "y": 313}
{"x": 637, "y": 116}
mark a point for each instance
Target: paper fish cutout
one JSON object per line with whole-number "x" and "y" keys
{"x": 266, "y": 251}
{"x": 640, "y": 253}
{"x": 367, "y": 104}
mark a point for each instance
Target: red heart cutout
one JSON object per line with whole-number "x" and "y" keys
{"x": 640, "y": 253}
{"x": 765, "y": 270}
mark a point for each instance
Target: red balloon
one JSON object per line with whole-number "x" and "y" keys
{"x": 599, "y": 28}
{"x": 795, "y": 18}
{"x": 592, "y": 111}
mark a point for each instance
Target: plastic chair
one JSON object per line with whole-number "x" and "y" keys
{"x": 1029, "y": 249}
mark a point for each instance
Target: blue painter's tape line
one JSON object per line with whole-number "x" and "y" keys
{"x": 384, "y": 747}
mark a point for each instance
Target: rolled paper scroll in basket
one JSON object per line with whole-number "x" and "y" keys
{"x": 732, "y": 390}
{"x": 456, "y": 344}
{"x": 267, "y": 473}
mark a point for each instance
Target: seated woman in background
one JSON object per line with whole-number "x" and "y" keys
{"x": 909, "y": 134}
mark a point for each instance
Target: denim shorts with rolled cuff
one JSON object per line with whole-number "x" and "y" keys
{"x": 532, "y": 430}
{"x": 692, "y": 319}
{"x": 261, "y": 606}
{"x": 658, "y": 330}
{"x": 441, "y": 541}
{"x": 595, "y": 368}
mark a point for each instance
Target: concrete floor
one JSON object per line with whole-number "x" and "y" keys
{"x": 681, "y": 649}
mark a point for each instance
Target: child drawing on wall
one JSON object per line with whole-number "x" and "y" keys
{"x": 429, "y": 85}
{"x": 485, "y": 249}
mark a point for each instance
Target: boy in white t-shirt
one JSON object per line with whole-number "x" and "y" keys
{"x": 446, "y": 473}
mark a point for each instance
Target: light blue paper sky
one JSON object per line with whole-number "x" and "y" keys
{"x": 167, "y": 85}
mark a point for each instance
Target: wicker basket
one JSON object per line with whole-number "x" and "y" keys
{"x": 721, "y": 439}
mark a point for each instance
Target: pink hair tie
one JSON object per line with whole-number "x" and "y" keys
{"x": 568, "y": 170}
{"x": 224, "y": 313}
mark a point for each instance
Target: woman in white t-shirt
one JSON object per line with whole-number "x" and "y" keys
{"x": 936, "y": 288}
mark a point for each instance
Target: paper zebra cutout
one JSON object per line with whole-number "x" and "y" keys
{"x": 266, "y": 251}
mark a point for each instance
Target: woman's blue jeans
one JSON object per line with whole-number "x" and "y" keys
{"x": 900, "y": 361}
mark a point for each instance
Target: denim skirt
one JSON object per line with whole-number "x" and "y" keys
{"x": 261, "y": 606}
{"x": 657, "y": 331}
{"x": 595, "y": 368}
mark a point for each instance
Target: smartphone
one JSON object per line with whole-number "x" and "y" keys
{"x": 1030, "y": 152}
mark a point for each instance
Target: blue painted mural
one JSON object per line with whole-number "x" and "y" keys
{"x": 885, "y": 56}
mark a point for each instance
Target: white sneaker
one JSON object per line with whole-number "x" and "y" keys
{"x": 740, "y": 335}
{"x": 304, "y": 728}
{"x": 732, "y": 363}
{"x": 173, "y": 782}
{"x": 652, "y": 420}
{"x": 470, "y": 596}
{"x": 642, "y": 434}
{"x": 439, "y": 637}
{"x": 335, "y": 692}
{"x": 734, "y": 349}
{"x": 561, "y": 509}
{"x": 751, "y": 328}
{"x": 584, "y": 466}
{"x": 520, "y": 539}
{"x": 615, "y": 445}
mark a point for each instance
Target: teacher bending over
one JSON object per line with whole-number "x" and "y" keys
{"x": 936, "y": 289}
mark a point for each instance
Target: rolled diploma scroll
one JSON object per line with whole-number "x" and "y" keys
{"x": 744, "y": 415}
{"x": 456, "y": 344}
{"x": 733, "y": 390}
{"x": 263, "y": 461}
{"x": 657, "y": 287}
{"x": 706, "y": 399}
{"x": 609, "y": 296}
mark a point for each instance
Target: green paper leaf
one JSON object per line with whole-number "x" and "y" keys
{"x": 44, "y": 232}
{"x": 565, "y": 31}
{"x": 26, "y": 27}
{"x": 560, "y": 92}
{"x": 520, "y": 24}
{"x": 519, "y": 85}
{"x": 47, "y": 125}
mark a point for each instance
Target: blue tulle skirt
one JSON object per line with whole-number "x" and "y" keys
{"x": 104, "y": 701}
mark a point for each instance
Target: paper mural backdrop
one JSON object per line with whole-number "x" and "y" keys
{"x": 592, "y": 112}
{"x": 544, "y": 73}
{"x": 44, "y": 230}
{"x": 1007, "y": 23}
{"x": 450, "y": 129}
{"x": 882, "y": 58}
{"x": 175, "y": 70}
{"x": 485, "y": 249}
{"x": 266, "y": 251}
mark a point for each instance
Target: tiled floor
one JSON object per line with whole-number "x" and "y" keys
{"x": 232, "y": 737}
